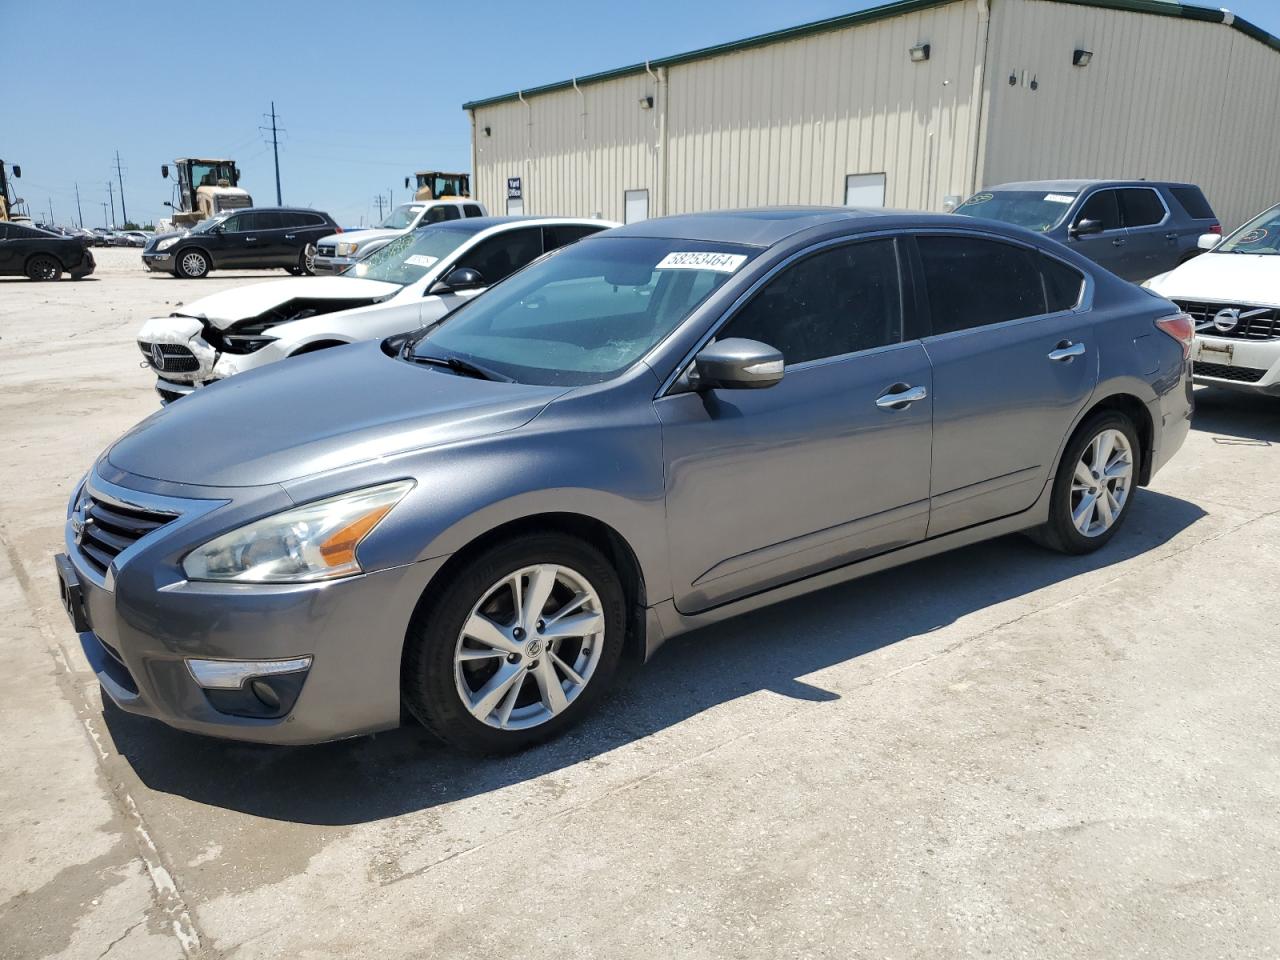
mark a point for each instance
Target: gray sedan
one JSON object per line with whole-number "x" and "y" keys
{"x": 653, "y": 429}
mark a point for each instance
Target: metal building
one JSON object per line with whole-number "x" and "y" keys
{"x": 915, "y": 104}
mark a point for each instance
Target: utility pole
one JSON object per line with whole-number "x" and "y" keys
{"x": 120, "y": 176}
{"x": 379, "y": 198}
{"x": 104, "y": 215}
{"x": 275, "y": 151}
{"x": 79, "y": 213}
{"x": 50, "y": 211}
{"x": 111, "y": 192}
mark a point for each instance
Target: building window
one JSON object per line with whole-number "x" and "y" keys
{"x": 864, "y": 190}
{"x": 635, "y": 206}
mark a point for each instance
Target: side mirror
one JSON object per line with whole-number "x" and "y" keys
{"x": 236, "y": 170}
{"x": 17, "y": 170}
{"x": 459, "y": 278}
{"x": 406, "y": 183}
{"x": 1085, "y": 228}
{"x": 737, "y": 364}
{"x": 164, "y": 170}
{"x": 1208, "y": 241}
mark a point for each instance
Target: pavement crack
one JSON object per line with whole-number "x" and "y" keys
{"x": 132, "y": 927}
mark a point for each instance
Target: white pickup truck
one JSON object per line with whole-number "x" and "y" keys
{"x": 339, "y": 251}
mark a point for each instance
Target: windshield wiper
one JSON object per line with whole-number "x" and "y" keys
{"x": 464, "y": 367}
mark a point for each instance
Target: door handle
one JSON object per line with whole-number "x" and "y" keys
{"x": 250, "y": 239}
{"x": 1118, "y": 242}
{"x": 290, "y": 236}
{"x": 1066, "y": 351}
{"x": 1171, "y": 236}
{"x": 900, "y": 396}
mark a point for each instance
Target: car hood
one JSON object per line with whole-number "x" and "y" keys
{"x": 362, "y": 236}
{"x": 319, "y": 412}
{"x": 1223, "y": 277}
{"x": 229, "y": 307}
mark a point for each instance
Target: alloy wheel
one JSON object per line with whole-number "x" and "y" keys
{"x": 529, "y": 647}
{"x": 309, "y": 257}
{"x": 193, "y": 264}
{"x": 1102, "y": 483}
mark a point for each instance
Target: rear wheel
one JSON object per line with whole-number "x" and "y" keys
{"x": 1094, "y": 486}
{"x": 44, "y": 267}
{"x": 519, "y": 645}
{"x": 193, "y": 264}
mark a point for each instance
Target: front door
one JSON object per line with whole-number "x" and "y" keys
{"x": 1013, "y": 365}
{"x": 1108, "y": 248}
{"x": 768, "y": 486}
{"x": 494, "y": 258}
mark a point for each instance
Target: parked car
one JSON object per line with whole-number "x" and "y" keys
{"x": 39, "y": 255}
{"x": 103, "y": 236}
{"x": 411, "y": 282}
{"x": 1233, "y": 294}
{"x": 1134, "y": 228}
{"x": 339, "y": 252}
{"x": 255, "y": 238}
{"x": 649, "y": 430}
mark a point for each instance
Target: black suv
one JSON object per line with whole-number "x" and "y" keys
{"x": 242, "y": 239}
{"x": 40, "y": 255}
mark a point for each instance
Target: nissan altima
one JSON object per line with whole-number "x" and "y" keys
{"x": 649, "y": 430}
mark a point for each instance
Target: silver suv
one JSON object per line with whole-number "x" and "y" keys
{"x": 649, "y": 430}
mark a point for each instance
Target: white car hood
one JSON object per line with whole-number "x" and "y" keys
{"x": 1223, "y": 277}
{"x": 239, "y": 303}
{"x": 363, "y": 236}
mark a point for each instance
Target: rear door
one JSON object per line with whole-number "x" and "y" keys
{"x": 1014, "y": 361}
{"x": 9, "y": 262}
{"x": 1152, "y": 241}
{"x": 1108, "y": 248}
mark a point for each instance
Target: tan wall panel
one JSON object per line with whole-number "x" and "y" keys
{"x": 1164, "y": 98}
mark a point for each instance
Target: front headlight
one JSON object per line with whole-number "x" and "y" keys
{"x": 346, "y": 249}
{"x": 167, "y": 243}
{"x": 313, "y": 542}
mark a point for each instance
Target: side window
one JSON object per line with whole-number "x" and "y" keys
{"x": 237, "y": 224}
{"x": 1101, "y": 206}
{"x": 554, "y": 237}
{"x": 439, "y": 215}
{"x": 835, "y": 302}
{"x": 270, "y": 220}
{"x": 4, "y": 231}
{"x": 503, "y": 255}
{"x": 1063, "y": 285}
{"x": 973, "y": 282}
{"x": 1141, "y": 207}
{"x": 472, "y": 210}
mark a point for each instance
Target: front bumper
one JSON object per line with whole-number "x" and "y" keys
{"x": 331, "y": 264}
{"x": 1250, "y": 366}
{"x": 142, "y": 622}
{"x": 158, "y": 262}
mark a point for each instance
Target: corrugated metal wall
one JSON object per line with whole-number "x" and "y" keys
{"x": 780, "y": 123}
{"x": 1163, "y": 98}
{"x": 785, "y": 123}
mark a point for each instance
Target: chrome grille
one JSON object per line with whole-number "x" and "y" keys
{"x": 103, "y": 529}
{"x": 326, "y": 249}
{"x": 169, "y": 357}
{"x": 1251, "y": 322}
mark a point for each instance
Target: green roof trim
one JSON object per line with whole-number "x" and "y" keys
{"x": 1162, "y": 8}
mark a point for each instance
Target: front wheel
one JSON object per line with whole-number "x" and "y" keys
{"x": 519, "y": 645}
{"x": 1094, "y": 486}
{"x": 193, "y": 264}
{"x": 307, "y": 261}
{"x": 42, "y": 267}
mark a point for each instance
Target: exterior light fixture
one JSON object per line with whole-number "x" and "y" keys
{"x": 1013, "y": 79}
{"x": 1081, "y": 58}
{"x": 919, "y": 53}
{"x": 646, "y": 103}
{"x": 488, "y": 132}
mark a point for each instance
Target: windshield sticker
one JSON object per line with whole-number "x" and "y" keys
{"x": 693, "y": 260}
{"x": 1254, "y": 236}
{"x": 421, "y": 260}
{"x": 979, "y": 198}
{"x": 1058, "y": 198}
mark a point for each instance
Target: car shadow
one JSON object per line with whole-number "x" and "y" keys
{"x": 373, "y": 777}
{"x": 1237, "y": 418}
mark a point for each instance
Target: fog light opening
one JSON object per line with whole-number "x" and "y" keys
{"x": 262, "y": 690}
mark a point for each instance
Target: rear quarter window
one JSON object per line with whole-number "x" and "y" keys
{"x": 1192, "y": 200}
{"x": 1063, "y": 285}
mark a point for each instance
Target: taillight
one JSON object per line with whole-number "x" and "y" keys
{"x": 338, "y": 229}
{"x": 1182, "y": 328}
{"x": 1216, "y": 228}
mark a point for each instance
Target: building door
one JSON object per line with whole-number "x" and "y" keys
{"x": 864, "y": 190}
{"x": 636, "y": 206}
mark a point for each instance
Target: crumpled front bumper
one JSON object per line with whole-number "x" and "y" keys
{"x": 199, "y": 363}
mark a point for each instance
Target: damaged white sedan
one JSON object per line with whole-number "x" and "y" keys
{"x": 410, "y": 283}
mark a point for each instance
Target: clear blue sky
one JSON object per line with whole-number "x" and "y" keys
{"x": 367, "y": 91}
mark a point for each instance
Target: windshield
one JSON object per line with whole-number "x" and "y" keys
{"x": 401, "y": 217}
{"x": 587, "y": 313}
{"x": 1261, "y": 235}
{"x": 1039, "y": 210}
{"x": 407, "y": 259}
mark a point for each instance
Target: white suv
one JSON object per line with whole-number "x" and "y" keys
{"x": 411, "y": 282}
{"x": 339, "y": 251}
{"x": 1233, "y": 293}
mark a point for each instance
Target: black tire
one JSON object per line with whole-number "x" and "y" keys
{"x": 191, "y": 264}
{"x": 293, "y": 271}
{"x": 428, "y": 682}
{"x": 1060, "y": 532}
{"x": 306, "y": 261}
{"x": 44, "y": 268}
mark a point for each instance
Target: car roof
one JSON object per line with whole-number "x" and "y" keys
{"x": 765, "y": 226}
{"x": 1075, "y": 186}
{"x": 477, "y": 224}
